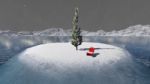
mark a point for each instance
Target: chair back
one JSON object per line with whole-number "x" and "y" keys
{"x": 91, "y": 49}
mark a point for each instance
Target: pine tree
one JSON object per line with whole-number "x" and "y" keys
{"x": 76, "y": 33}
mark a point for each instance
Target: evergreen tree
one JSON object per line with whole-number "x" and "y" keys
{"x": 76, "y": 37}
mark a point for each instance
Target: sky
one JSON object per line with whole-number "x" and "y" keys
{"x": 33, "y": 15}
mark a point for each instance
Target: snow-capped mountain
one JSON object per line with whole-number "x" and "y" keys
{"x": 53, "y": 32}
{"x": 137, "y": 30}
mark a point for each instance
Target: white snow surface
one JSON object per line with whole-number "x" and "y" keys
{"x": 60, "y": 63}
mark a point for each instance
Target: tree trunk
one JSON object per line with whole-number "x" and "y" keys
{"x": 76, "y": 47}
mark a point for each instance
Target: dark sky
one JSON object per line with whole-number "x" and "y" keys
{"x": 32, "y": 15}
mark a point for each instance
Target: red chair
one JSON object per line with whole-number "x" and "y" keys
{"x": 91, "y": 51}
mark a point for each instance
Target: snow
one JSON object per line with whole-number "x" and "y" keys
{"x": 60, "y": 63}
{"x": 62, "y": 49}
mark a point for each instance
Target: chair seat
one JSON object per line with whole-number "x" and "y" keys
{"x": 90, "y": 53}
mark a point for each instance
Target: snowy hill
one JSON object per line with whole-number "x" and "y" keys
{"x": 60, "y": 63}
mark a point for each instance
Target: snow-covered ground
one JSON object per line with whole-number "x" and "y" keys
{"x": 60, "y": 63}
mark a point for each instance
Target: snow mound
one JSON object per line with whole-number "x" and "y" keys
{"x": 60, "y": 63}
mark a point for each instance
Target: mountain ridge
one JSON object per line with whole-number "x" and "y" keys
{"x": 136, "y": 30}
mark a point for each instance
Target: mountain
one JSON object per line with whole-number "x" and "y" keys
{"x": 137, "y": 30}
